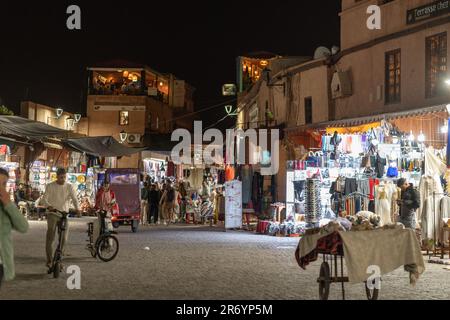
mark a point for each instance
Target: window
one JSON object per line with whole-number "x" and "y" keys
{"x": 124, "y": 119}
{"x": 393, "y": 77}
{"x": 436, "y": 64}
{"x": 308, "y": 110}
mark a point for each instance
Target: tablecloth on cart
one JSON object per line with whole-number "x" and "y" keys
{"x": 387, "y": 249}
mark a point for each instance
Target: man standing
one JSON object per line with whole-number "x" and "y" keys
{"x": 153, "y": 199}
{"x": 144, "y": 204}
{"x": 57, "y": 196}
{"x": 409, "y": 203}
{"x": 10, "y": 219}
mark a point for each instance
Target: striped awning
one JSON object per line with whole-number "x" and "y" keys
{"x": 386, "y": 116}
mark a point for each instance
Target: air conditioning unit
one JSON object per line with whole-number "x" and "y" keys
{"x": 134, "y": 138}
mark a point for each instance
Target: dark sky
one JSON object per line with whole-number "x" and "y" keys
{"x": 198, "y": 41}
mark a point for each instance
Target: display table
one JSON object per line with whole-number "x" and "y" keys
{"x": 386, "y": 249}
{"x": 262, "y": 227}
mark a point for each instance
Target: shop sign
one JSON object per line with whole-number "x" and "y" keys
{"x": 428, "y": 11}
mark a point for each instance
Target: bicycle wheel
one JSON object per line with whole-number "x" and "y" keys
{"x": 107, "y": 248}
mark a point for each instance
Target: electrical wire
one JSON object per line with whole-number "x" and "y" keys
{"x": 202, "y": 110}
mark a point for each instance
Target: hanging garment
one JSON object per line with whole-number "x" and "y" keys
{"x": 431, "y": 218}
{"x": 428, "y": 185}
{"x": 379, "y": 166}
{"x": 444, "y": 216}
{"x": 350, "y": 186}
{"x": 246, "y": 177}
{"x": 383, "y": 207}
{"x": 363, "y": 186}
{"x": 229, "y": 173}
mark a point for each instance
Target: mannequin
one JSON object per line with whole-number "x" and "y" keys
{"x": 383, "y": 208}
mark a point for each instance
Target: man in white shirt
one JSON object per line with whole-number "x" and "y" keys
{"x": 57, "y": 196}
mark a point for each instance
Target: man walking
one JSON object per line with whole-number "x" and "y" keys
{"x": 57, "y": 196}
{"x": 153, "y": 199}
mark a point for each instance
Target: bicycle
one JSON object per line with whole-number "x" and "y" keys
{"x": 56, "y": 266}
{"x": 106, "y": 247}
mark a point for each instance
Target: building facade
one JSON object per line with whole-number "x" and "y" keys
{"x": 138, "y": 101}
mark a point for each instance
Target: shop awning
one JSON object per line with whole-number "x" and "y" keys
{"x": 101, "y": 147}
{"x": 380, "y": 117}
{"x": 25, "y": 128}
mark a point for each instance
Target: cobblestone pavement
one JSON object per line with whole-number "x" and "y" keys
{"x": 193, "y": 263}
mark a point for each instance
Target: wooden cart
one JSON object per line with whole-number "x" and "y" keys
{"x": 332, "y": 271}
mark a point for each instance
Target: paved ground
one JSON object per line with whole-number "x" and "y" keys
{"x": 193, "y": 263}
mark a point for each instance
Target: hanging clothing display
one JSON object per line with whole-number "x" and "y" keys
{"x": 247, "y": 179}
{"x": 229, "y": 173}
{"x": 444, "y": 216}
{"x": 431, "y": 218}
{"x": 428, "y": 185}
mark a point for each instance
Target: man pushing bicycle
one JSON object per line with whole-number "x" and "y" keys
{"x": 58, "y": 196}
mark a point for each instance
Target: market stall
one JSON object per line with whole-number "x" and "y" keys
{"x": 369, "y": 252}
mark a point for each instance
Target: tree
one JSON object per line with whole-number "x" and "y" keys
{"x": 4, "y": 111}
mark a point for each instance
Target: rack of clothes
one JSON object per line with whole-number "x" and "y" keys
{"x": 436, "y": 211}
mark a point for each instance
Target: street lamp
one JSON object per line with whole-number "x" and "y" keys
{"x": 59, "y": 113}
{"x": 77, "y": 117}
{"x": 70, "y": 123}
{"x": 123, "y": 136}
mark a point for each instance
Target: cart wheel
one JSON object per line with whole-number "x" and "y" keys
{"x": 116, "y": 225}
{"x": 324, "y": 281}
{"x": 372, "y": 294}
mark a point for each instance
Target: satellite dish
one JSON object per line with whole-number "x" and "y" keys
{"x": 322, "y": 52}
{"x": 335, "y": 50}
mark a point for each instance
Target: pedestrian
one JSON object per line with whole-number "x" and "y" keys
{"x": 153, "y": 203}
{"x": 168, "y": 203}
{"x": 105, "y": 200}
{"x": 409, "y": 203}
{"x": 144, "y": 204}
{"x": 10, "y": 219}
{"x": 58, "y": 195}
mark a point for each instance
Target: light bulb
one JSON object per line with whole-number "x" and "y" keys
{"x": 395, "y": 140}
{"x": 444, "y": 129}
{"x": 421, "y": 137}
{"x": 411, "y": 137}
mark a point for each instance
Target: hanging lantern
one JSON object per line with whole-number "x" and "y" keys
{"x": 135, "y": 78}
{"x": 264, "y": 63}
{"x": 125, "y": 74}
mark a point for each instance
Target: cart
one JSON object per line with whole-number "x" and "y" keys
{"x": 332, "y": 271}
{"x": 126, "y": 185}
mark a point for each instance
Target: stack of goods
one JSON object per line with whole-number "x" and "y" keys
{"x": 312, "y": 203}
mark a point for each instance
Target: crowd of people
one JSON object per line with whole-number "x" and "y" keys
{"x": 170, "y": 202}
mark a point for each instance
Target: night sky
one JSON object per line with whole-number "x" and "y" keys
{"x": 198, "y": 41}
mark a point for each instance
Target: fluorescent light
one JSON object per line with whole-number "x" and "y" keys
{"x": 444, "y": 129}
{"x": 448, "y": 109}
